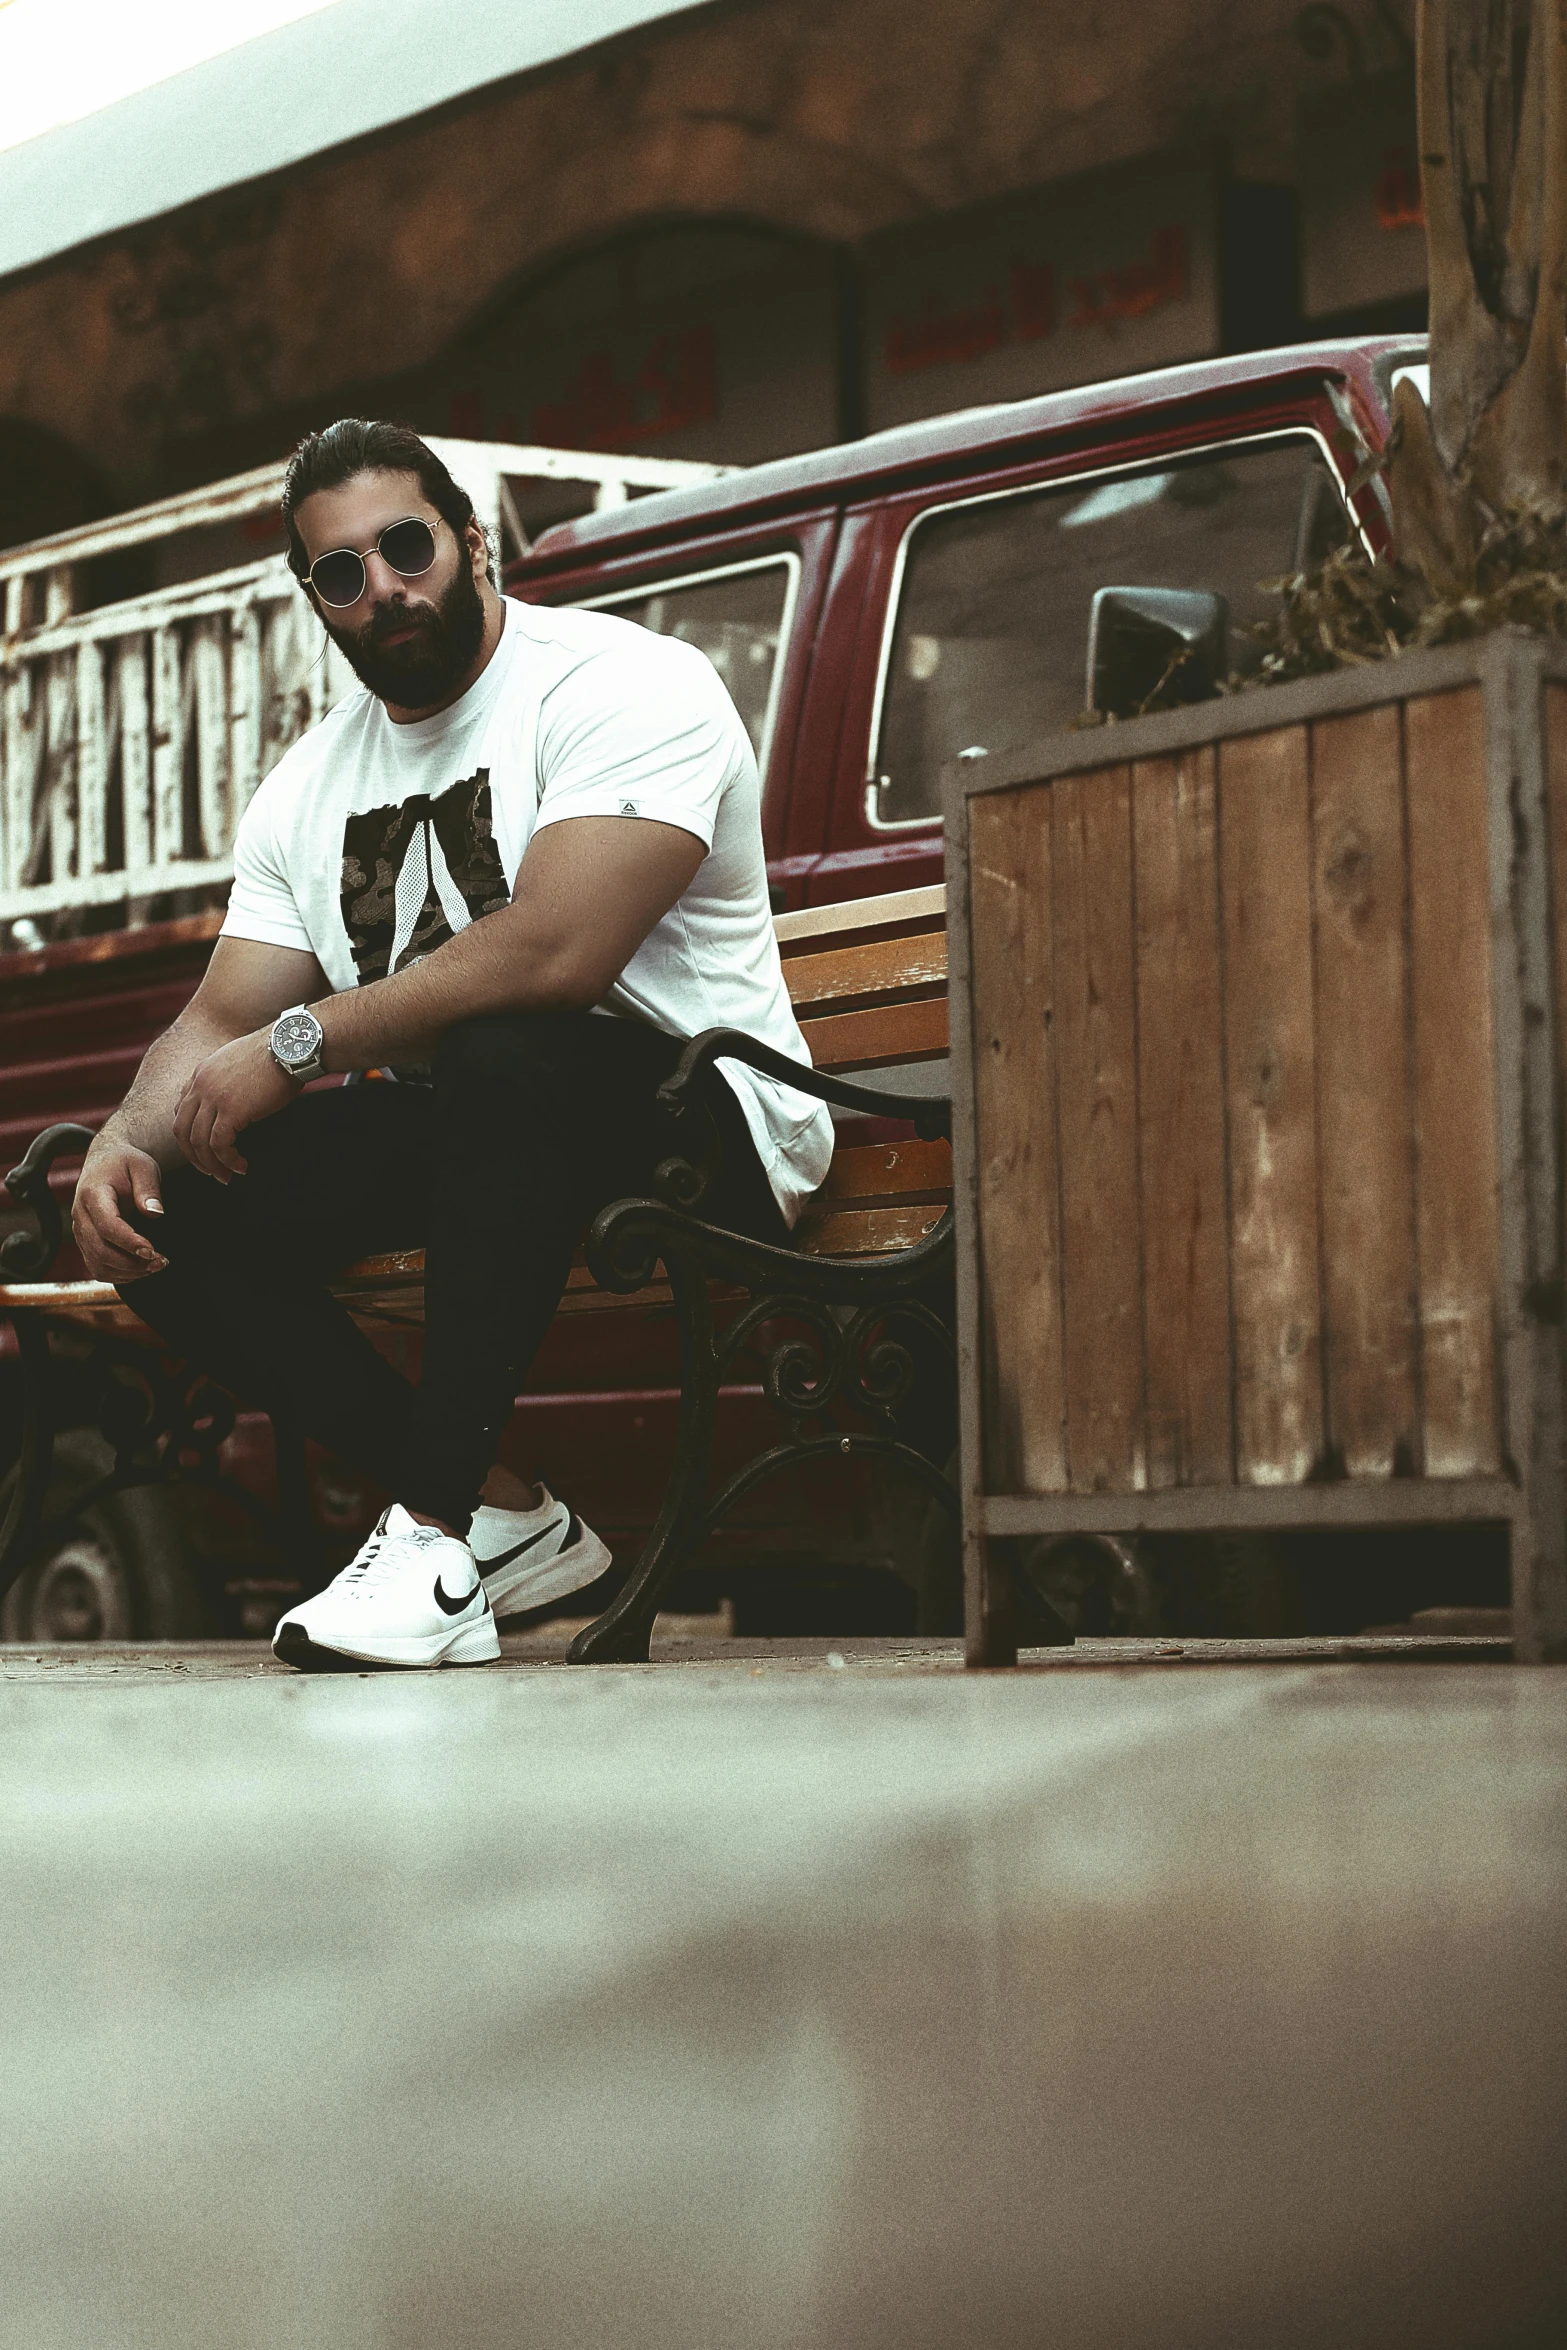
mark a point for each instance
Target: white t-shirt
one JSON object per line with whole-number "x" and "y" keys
{"x": 371, "y": 843}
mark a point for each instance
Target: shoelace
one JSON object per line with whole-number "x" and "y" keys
{"x": 368, "y": 1566}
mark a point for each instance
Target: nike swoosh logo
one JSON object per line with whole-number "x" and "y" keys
{"x": 454, "y": 1607}
{"x": 505, "y": 1557}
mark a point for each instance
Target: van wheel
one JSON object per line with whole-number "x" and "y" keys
{"x": 81, "y": 1591}
{"x": 123, "y": 1569}
{"x": 1096, "y": 1583}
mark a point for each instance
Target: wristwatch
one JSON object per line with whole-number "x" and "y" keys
{"x": 298, "y": 1044}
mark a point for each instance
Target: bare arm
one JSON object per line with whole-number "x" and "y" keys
{"x": 587, "y": 894}
{"x": 246, "y": 985}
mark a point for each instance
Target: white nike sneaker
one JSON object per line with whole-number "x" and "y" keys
{"x": 529, "y": 1557}
{"x": 410, "y": 1596}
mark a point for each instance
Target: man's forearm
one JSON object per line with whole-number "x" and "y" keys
{"x": 493, "y": 966}
{"x": 145, "y": 1119}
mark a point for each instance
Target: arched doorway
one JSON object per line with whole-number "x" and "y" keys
{"x": 717, "y": 339}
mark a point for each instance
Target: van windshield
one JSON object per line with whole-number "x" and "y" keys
{"x": 991, "y": 640}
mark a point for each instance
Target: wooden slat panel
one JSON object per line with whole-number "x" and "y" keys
{"x": 92, "y": 765}
{"x": 1265, "y": 863}
{"x": 1456, "y": 1229}
{"x": 1556, "y": 801}
{"x": 1186, "y": 1302}
{"x": 24, "y": 751}
{"x": 1096, "y": 1061}
{"x": 135, "y": 752}
{"x": 879, "y": 1038}
{"x": 245, "y": 707}
{"x": 886, "y": 966}
{"x": 168, "y": 746}
{"x": 209, "y": 668}
{"x": 1365, "y": 1110}
{"x": 1014, "y": 1105}
{"x": 60, "y": 695}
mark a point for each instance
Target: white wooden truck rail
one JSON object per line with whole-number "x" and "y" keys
{"x": 132, "y": 736}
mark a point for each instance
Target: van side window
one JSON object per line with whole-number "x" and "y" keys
{"x": 738, "y": 618}
{"x": 991, "y": 641}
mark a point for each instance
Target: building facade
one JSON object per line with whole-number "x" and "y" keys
{"x": 741, "y": 230}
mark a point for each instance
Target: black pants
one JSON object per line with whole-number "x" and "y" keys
{"x": 532, "y": 1122}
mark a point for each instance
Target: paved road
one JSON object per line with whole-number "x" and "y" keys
{"x": 740, "y": 2007}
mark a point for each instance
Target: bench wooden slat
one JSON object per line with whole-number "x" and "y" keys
{"x": 879, "y": 1038}
{"x": 388, "y": 1292}
{"x": 868, "y": 983}
{"x": 887, "y": 1173}
{"x": 95, "y": 1303}
{"x": 888, "y": 966}
{"x": 797, "y": 933}
{"x": 866, "y": 1232}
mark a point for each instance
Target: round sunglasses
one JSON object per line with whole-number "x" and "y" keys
{"x": 408, "y": 546}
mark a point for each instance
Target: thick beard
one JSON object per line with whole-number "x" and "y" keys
{"x": 431, "y": 665}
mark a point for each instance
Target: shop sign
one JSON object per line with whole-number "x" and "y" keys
{"x": 1102, "y": 275}
{"x": 1362, "y": 229}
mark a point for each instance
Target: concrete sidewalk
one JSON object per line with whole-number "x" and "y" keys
{"x": 753, "y": 2001}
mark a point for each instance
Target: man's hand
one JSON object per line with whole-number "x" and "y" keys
{"x": 224, "y": 1094}
{"x": 113, "y": 1174}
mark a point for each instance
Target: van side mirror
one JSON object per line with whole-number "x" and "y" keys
{"x": 1154, "y": 648}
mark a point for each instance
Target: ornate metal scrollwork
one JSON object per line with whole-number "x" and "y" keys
{"x": 843, "y": 1346}
{"x": 27, "y": 1256}
{"x": 162, "y": 1424}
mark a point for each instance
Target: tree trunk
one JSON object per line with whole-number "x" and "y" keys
{"x": 1493, "y": 158}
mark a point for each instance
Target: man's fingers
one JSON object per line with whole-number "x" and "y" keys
{"x": 98, "y": 1224}
{"x": 144, "y": 1189}
{"x": 201, "y": 1151}
{"x": 223, "y": 1142}
{"x": 101, "y": 1209}
{"x": 115, "y": 1261}
{"x": 117, "y": 1264}
{"x": 207, "y": 1136}
{"x": 190, "y": 1131}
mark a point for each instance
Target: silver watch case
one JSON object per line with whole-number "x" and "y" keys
{"x": 297, "y": 1044}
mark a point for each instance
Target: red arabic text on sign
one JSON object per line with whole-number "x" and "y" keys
{"x": 934, "y": 336}
{"x": 675, "y": 387}
{"x": 1111, "y": 295}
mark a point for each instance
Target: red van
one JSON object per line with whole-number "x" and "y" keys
{"x": 875, "y": 610}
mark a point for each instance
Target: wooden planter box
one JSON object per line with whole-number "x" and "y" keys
{"x": 1257, "y": 1031}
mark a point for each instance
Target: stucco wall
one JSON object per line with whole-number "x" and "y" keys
{"x": 204, "y": 340}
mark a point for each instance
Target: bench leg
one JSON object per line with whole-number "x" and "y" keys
{"x": 24, "y": 1513}
{"x": 623, "y": 1633}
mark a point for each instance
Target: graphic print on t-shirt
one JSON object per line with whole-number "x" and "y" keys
{"x": 418, "y": 871}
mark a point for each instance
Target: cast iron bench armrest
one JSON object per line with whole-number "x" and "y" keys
{"x": 24, "y": 1254}
{"x": 931, "y": 1113}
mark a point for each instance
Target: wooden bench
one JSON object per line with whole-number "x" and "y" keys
{"x": 847, "y": 1323}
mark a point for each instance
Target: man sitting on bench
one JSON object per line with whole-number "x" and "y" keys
{"x": 589, "y": 790}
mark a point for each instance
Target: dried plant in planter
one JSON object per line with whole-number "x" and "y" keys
{"x": 1479, "y": 478}
{"x": 1351, "y": 610}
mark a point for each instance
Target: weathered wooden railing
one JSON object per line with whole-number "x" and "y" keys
{"x": 132, "y": 735}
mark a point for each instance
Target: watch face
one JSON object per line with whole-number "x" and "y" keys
{"x": 296, "y": 1037}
